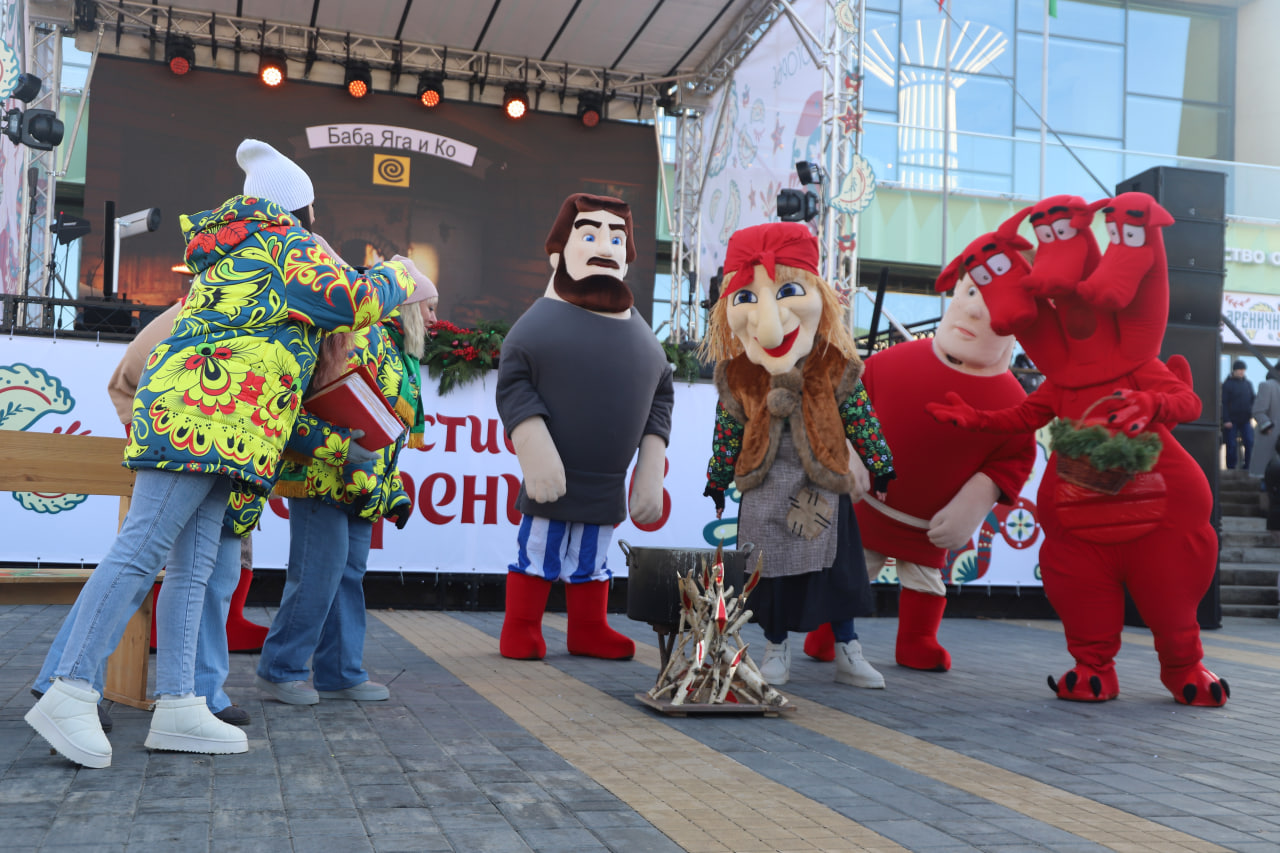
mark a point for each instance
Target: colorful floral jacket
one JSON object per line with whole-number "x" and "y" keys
{"x": 220, "y": 395}
{"x": 316, "y": 463}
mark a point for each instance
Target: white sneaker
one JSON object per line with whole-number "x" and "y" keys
{"x": 852, "y": 668}
{"x": 776, "y": 668}
{"x": 67, "y": 717}
{"x": 187, "y": 725}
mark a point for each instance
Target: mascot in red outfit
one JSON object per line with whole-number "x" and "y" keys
{"x": 948, "y": 479}
{"x": 1095, "y": 333}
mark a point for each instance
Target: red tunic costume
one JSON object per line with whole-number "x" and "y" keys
{"x": 934, "y": 460}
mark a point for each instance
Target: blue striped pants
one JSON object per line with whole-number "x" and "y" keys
{"x": 569, "y": 551}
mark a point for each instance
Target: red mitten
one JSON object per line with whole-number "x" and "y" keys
{"x": 1179, "y": 367}
{"x": 1127, "y": 410}
{"x": 956, "y": 411}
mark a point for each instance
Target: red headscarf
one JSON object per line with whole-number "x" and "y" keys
{"x": 787, "y": 243}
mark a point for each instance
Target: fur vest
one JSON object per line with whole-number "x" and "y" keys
{"x": 807, "y": 399}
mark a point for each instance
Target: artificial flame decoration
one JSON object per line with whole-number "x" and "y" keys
{"x": 709, "y": 664}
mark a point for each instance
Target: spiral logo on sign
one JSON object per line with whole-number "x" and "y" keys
{"x": 391, "y": 171}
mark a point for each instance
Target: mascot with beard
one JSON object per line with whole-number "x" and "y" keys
{"x": 582, "y": 383}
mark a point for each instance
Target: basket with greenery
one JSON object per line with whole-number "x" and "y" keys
{"x": 1092, "y": 456}
{"x": 456, "y": 355}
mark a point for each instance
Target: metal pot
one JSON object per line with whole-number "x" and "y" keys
{"x": 652, "y": 594}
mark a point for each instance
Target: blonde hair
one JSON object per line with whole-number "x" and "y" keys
{"x": 721, "y": 344}
{"x": 415, "y": 331}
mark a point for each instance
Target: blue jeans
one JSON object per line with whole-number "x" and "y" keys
{"x": 1244, "y": 430}
{"x": 174, "y": 515}
{"x": 212, "y": 657}
{"x": 321, "y": 616}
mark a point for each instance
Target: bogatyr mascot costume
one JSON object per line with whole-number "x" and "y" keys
{"x": 948, "y": 478}
{"x": 791, "y": 417}
{"x": 1093, "y": 325}
{"x": 582, "y": 383}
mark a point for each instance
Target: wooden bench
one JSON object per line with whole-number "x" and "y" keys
{"x": 54, "y": 463}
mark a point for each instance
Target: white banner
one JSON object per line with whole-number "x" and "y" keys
{"x": 386, "y": 136}
{"x": 464, "y": 481}
{"x": 1255, "y": 314}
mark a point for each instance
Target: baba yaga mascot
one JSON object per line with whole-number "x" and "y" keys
{"x": 948, "y": 478}
{"x": 582, "y": 383}
{"x": 1093, "y": 324}
{"x": 796, "y": 433}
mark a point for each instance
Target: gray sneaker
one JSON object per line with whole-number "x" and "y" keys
{"x": 289, "y": 692}
{"x": 365, "y": 691}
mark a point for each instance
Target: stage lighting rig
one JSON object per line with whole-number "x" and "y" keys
{"x": 273, "y": 67}
{"x": 179, "y": 54}
{"x": 359, "y": 79}
{"x": 39, "y": 129}
{"x": 515, "y": 100}
{"x": 430, "y": 88}
{"x": 27, "y": 87}
{"x": 590, "y": 108}
{"x": 802, "y": 205}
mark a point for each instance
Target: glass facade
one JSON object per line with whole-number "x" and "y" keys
{"x": 1125, "y": 79}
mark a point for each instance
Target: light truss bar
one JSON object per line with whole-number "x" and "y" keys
{"x": 44, "y": 59}
{"x": 141, "y": 25}
{"x": 748, "y": 27}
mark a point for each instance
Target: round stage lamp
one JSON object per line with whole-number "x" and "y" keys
{"x": 359, "y": 79}
{"x": 430, "y": 89}
{"x": 179, "y": 54}
{"x": 515, "y": 101}
{"x": 590, "y": 106}
{"x": 273, "y": 68}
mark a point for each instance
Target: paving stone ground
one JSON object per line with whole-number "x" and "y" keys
{"x": 477, "y": 753}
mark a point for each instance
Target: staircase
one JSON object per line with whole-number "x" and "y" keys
{"x": 1249, "y": 559}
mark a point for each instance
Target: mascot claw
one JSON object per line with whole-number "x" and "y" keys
{"x": 1076, "y": 688}
{"x": 1204, "y": 690}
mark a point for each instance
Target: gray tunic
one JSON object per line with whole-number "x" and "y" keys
{"x": 602, "y": 384}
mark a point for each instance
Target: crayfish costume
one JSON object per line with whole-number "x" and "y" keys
{"x": 582, "y": 383}
{"x": 791, "y": 406}
{"x": 1093, "y": 324}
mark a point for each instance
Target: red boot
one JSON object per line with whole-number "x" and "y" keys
{"x": 589, "y": 631}
{"x": 820, "y": 644}
{"x": 243, "y": 635}
{"x": 521, "y": 637}
{"x": 919, "y": 615}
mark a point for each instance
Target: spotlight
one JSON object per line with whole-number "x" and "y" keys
{"x": 515, "y": 100}
{"x": 179, "y": 54}
{"x": 27, "y": 87}
{"x": 590, "y": 105}
{"x": 39, "y": 129}
{"x": 809, "y": 173}
{"x": 430, "y": 88}
{"x": 797, "y": 205}
{"x": 273, "y": 68}
{"x": 359, "y": 80}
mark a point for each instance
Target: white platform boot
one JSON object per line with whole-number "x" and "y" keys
{"x": 185, "y": 724}
{"x": 852, "y": 668}
{"x": 67, "y": 717}
{"x": 776, "y": 668}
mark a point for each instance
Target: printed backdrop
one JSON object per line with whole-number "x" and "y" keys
{"x": 464, "y": 479}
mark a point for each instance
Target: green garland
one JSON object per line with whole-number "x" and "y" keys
{"x": 1105, "y": 452}
{"x": 456, "y": 355}
{"x": 685, "y": 361}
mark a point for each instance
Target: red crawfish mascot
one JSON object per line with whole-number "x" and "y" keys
{"x": 1093, "y": 324}
{"x": 582, "y": 384}
{"x": 948, "y": 478}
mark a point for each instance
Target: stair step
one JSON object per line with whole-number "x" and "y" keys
{"x": 1243, "y": 524}
{"x": 1266, "y": 556}
{"x": 1250, "y": 539}
{"x": 1252, "y": 611}
{"x": 1249, "y": 595}
{"x": 1244, "y": 574}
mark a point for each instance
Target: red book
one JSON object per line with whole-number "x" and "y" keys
{"x": 354, "y": 401}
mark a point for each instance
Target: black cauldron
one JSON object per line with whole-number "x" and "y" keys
{"x": 652, "y": 594}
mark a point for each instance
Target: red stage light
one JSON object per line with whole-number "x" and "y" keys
{"x": 357, "y": 88}
{"x": 179, "y": 53}
{"x": 179, "y": 66}
{"x": 359, "y": 80}
{"x": 430, "y": 98}
{"x": 590, "y": 106}
{"x": 431, "y": 88}
{"x": 273, "y": 68}
{"x": 515, "y": 101}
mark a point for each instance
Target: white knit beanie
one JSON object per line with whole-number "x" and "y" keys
{"x": 271, "y": 175}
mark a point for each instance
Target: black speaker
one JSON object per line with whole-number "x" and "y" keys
{"x": 1195, "y": 297}
{"x": 1196, "y": 244}
{"x": 1185, "y": 193}
{"x": 1201, "y": 346}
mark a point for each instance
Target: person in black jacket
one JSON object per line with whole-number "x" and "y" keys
{"x": 1237, "y": 414}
